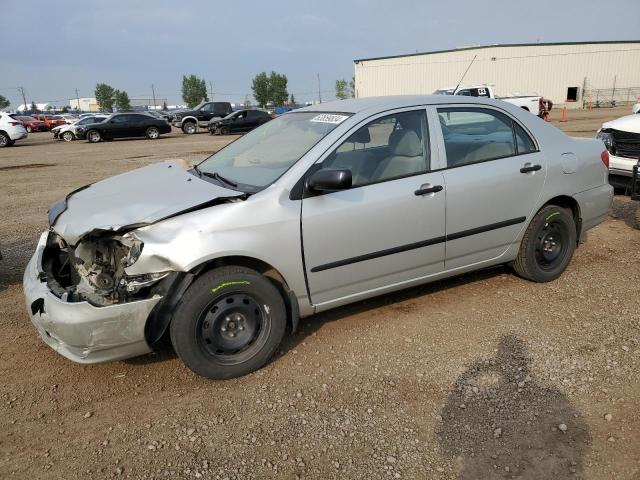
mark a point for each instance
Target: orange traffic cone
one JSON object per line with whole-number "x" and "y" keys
{"x": 564, "y": 113}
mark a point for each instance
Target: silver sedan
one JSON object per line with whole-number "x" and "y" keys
{"x": 321, "y": 207}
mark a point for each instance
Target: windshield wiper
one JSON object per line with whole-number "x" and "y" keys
{"x": 218, "y": 177}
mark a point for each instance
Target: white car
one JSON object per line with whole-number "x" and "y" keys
{"x": 11, "y": 129}
{"x": 622, "y": 139}
{"x": 68, "y": 132}
{"x": 69, "y": 118}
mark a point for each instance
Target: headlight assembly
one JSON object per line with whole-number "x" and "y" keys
{"x": 607, "y": 137}
{"x": 135, "y": 248}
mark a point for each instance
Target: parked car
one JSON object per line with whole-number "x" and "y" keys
{"x": 50, "y": 121}
{"x": 622, "y": 139}
{"x": 68, "y": 132}
{"x": 11, "y": 129}
{"x": 68, "y": 118}
{"x": 31, "y": 124}
{"x": 537, "y": 105}
{"x": 123, "y": 125}
{"x": 384, "y": 193}
{"x": 240, "y": 121}
{"x": 189, "y": 120}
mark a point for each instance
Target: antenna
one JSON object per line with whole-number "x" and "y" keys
{"x": 464, "y": 74}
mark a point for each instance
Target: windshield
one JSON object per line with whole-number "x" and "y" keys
{"x": 260, "y": 157}
{"x": 444, "y": 91}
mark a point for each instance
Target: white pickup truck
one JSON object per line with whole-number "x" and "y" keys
{"x": 539, "y": 106}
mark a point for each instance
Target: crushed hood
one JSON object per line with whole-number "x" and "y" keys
{"x": 134, "y": 199}
{"x": 630, "y": 123}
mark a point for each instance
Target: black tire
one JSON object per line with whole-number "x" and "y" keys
{"x": 93, "y": 136}
{"x": 223, "y": 131}
{"x": 229, "y": 322}
{"x": 5, "y": 141}
{"x": 152, "y": 133}
{"x": 68, "y": 136}
{"x": 11, "y": 143}
{"x": 547, "y": 246}
{"x": 189, "y": 128}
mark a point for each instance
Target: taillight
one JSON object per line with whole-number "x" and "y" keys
{"x": 604, "y": 156}
{"x": 14, "y": 124}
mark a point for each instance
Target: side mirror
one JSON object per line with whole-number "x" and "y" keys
{"x": 329, "y": 180}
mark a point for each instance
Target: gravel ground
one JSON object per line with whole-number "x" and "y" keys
{"x": 481, "y": 376}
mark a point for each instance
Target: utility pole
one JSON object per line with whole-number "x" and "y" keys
{"x": 21, "y": 90}
{"x": 210, "y": 91}
{"x": 153, "y": 90}
{"x": 319, "y": 94}
{"x": 78, "y": 100}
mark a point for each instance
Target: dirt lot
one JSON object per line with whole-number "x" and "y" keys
{"x": 481, "y": 376}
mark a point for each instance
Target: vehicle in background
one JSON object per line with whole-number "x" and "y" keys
{"x": 384, "y": 193}
{"x": 156, "y": 114}
{"x": 622, "y": 139}
{"x": 636, "y": 108}
{"x": 31, "y": 124}
{"x": 50, "y": 120}
{"x": 123, "y": 125}
{"x": 11, "y": 129}
{"x": 189, "y": 120}
{"x": 238, "y": 122}
{"x": 68, "y": 132}
{"x": 539, "y": 106}
{"x": 67, "y": 117}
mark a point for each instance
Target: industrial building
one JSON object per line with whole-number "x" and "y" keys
{"x": 581, "y": 74}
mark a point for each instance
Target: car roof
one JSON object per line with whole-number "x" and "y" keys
{"x": 369, "y": 104}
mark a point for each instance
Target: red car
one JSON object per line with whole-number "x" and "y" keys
{"x": 50, "y": 120}
{"x": 31, "y": 124}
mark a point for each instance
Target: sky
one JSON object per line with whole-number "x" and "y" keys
{"x": 52, "y": 48}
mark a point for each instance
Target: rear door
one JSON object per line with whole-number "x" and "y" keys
{"x": 494, "y": 177}
{"x": 389, "y": 227}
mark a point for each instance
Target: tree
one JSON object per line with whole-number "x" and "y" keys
{"x": 4, "y": 103}
{"x": 164, "y": 106}
{"x": 49, "y": 108}
{"x": 292, "y": 100}
{"x": 352, "y": 87}
{"x": 105, "y": 97}
{"x": 341, "y": 90}
{"x": 278, "y": 88}
{"x": 194, "y": 90}
{"x": 261, "y": 89}
{"x": 122, "y": 101}
{"x": 34, "y": 107}
{"x": 65, "y": 109}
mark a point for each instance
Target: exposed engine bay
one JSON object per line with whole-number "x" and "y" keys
{"x": 94, "y": 271}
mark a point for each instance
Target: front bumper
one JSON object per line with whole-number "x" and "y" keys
{"x": 621, "y": 165}
{"x": 80, "y": 331}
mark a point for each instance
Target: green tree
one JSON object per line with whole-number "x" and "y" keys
{"x": 164, "y": 106}
{"x": 260, "y": 87}
{"x": 65, "y": 109}
{"x": 292, "y": 100}
{"x": 352, "y": 87}
{"x": 194, "y": 90}
{"x": 341, "y": 90}
{"x": 122, "y": 102}
{"x": 278, "y": 88}
{"x": 34, "y": 107}
{"x": 4, "y": 103}
{"x": 105, "y": 97}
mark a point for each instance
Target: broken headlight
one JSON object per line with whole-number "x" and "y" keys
{"x": 135, "y": 249}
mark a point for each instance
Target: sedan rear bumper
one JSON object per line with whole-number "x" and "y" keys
{"x": 80, "y": 331}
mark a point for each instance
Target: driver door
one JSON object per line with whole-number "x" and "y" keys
{"x": 389, "y": 227}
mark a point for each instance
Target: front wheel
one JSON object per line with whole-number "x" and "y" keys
{"x": 94, "y": 136}
{"x": 229, "y": 323}
{"x": 547, "y": 246}
{"x": 152, "y": 133}
{"x": 189, "y": 128}
{"x": 224, "y": 131}
{"x": 5, "y": 141}
{"x": 68, "y": 136}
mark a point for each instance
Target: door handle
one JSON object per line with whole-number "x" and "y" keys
{"x": 427, "y": 188}
{"x": 530, "y": 168}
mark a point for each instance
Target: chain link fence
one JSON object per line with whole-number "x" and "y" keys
{"x": 610, "y": 97}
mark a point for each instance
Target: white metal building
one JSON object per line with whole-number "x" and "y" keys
{"x": 574, "y": 72}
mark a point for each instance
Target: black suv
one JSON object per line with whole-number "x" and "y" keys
{"x": 190, "y": 120}
{"x": 124, "y": 125}
{"x": 240, "y": 121}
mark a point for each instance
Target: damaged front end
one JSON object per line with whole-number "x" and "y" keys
{"x": 94, "y": 270}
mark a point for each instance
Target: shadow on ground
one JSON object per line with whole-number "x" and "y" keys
{"x": 625, "y": 209}
{"x": 499, "y": 423}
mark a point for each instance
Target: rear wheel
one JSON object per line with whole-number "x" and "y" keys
{"x": 5, "y": 141}
{"x": 94, "y": 136}
{"x": 547, "y": 246}
{"x": 152, "y": 133}
{"x": 68, "y": 136}
{"x": 189, "y": 128}
{"x": 229, "y": 323}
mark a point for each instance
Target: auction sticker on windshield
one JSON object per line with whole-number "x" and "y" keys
{"x": 329, "y": 118}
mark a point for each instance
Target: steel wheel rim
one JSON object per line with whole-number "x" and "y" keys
{"x": 29, "y": 129}
{"x": 233, "y": 327}
{"x": 67, "y": 136}
{"x": 551, "y": 245}
{"x": 190, "y": 128}
{"x": 3, "y": 140}
{"x": 94, "y": 136}
{"x": 153, "y": 132}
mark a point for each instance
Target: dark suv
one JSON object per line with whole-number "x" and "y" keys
{"x": 189, "y": 120}
{"x": 124, "y": 125}
{"x": 240, "y": 121}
